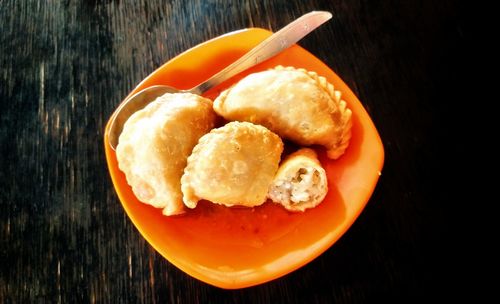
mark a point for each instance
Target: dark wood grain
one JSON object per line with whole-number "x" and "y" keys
{"x": 65, "y": 65}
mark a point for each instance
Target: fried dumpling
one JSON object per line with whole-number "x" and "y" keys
{"x": 296, "y": 104}
{"x": 232, "y": 165}
{"x": 155, "y": 143}
{"x": 300, "y": 182}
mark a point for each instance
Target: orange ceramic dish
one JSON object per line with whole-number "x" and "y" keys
{"x": 240, "y": 247}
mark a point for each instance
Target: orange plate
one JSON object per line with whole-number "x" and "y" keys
{"x": 240, "y": 247}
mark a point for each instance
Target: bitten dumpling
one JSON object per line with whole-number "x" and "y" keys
{"x": 300, "y": 182}
{"x": 155, "y": 143}
{"x": 232, "y": 165}
{"x": 296, "y": 104}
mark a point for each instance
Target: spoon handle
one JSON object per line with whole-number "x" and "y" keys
{"x": 273, "y": 45}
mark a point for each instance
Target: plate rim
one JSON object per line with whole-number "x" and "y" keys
{"x": 231, "y": 283}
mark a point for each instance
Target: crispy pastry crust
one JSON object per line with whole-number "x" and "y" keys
{"x": 294, "y": 103}
{"x": 155, "y": 144}
{"x": 232, "y": 165}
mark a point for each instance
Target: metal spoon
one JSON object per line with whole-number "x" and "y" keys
{"x": 273, "y": 45}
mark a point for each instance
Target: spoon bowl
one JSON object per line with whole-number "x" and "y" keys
{"x": 136, "y": 102}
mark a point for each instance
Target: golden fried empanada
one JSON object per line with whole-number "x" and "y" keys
{"x": 300, "y": 182}
{"x": 155, "y": 143}
{"x": 294, "y": 103}
{"x": 232, "y": 165}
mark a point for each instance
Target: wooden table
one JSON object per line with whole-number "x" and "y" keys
{"x": 64, "y": 67}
